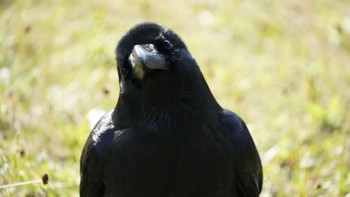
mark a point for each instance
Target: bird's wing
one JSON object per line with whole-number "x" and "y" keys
{"x": 94, "y": 155}
{"x": 248, "y": 169}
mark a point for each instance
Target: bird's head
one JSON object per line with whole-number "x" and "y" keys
{"x": 158, "y": 76}
{"x": 150, "y": 51}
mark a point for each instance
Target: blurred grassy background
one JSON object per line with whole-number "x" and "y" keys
{"x": 284, "y": 66}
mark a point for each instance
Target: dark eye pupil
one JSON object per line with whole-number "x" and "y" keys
{"x": 123, "y": 72}
{"x": 167, "y": 44}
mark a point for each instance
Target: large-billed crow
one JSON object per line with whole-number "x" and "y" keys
{"x": 167, "y": 135}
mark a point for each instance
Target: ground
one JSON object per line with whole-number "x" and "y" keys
{"x": 281, "y": 65}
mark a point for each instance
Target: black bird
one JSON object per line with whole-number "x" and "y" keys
{"x": 167, "y": 135}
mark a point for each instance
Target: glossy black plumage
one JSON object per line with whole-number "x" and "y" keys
{"x": 167, "y": 136}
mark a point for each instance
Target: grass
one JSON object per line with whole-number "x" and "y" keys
{"x": 282, "y": 65}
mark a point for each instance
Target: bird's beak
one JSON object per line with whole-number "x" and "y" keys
{"x": 145, "y": 58}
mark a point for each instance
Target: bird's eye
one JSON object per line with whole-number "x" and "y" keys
{"x": 124, "y": 72}
{"x": 167, "y": 44}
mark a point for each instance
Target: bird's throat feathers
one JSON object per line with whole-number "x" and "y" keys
{"x": 163, "y": 107}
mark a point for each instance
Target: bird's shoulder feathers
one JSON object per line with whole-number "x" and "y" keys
{"x": 249, "y": 181}
{"x": 93, "y": 156}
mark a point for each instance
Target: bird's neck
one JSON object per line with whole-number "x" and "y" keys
{"x": 164, "y": 109}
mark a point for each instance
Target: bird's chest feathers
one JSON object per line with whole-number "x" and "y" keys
{"x": 165, "y": 161}
{"x": 165, "y": 122}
